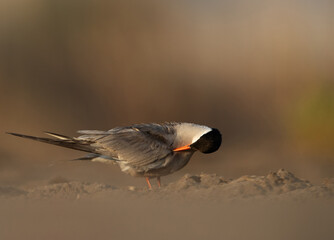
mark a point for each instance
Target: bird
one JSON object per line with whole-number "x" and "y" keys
{"x": 149, "y": 150}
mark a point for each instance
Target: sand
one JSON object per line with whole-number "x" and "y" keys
{"x": 276, "y": 206}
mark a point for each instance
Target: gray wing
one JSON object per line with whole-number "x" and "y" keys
{"x": 138, "y": 145}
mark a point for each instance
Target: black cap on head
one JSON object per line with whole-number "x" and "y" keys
{"x": 209, "y": 142}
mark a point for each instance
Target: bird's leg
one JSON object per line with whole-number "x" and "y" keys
{"x": 148, "y": 183}
{"x": 159, "y": 183}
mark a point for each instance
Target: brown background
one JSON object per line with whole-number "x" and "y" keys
{"x": 260, "y": 71}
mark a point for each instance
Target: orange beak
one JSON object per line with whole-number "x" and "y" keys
{"x": 183, "y": 148}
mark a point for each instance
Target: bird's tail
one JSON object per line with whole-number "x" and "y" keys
{"x": 61, "y": 140}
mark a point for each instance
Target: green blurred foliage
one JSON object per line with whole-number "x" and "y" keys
{"x": 312, "y": 119}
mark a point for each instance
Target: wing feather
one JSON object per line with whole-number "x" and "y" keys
{"x": 138, "y": 145}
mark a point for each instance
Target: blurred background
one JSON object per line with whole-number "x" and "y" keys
{"x": 261, "y": 71}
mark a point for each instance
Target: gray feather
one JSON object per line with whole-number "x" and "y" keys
{"x": 141, "y": 146}
{"x": 138, "y": 145}
{"x": 68, "y": 143}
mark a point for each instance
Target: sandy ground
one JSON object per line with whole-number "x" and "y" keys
{"x": 276, "y": 206}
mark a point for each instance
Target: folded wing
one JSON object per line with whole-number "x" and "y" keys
{"x": 138, "y": 145}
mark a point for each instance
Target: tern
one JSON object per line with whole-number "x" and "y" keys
{"x": 141, "y": 150}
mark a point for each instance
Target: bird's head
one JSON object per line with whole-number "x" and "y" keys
{"x": 208, "y": 142}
